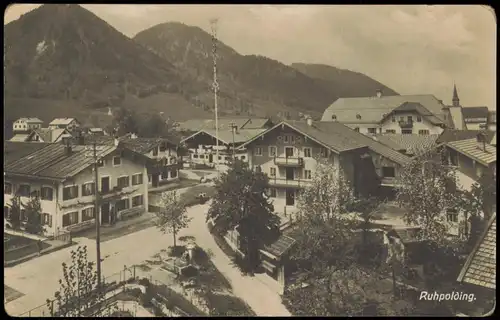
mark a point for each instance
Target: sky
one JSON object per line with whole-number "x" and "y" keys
{"x": 413, "y": 49}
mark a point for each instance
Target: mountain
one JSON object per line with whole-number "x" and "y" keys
{"x": 66, "y": 53}
{"x": 346, "y": 83}
{"x": 266, "y": 85}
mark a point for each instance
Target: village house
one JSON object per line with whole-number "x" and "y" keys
{"x": 50, "y": 135}
{"x": 476, "y": 118}
{"x": 202, "y": 142}
{"x": 478, "y": 275}
{"x": 63, "y": 177}
{"x": 404, "y": 114}
{"x": 64, "y": 123}
{"x": 24, "y": 125}
{"x": 288, "y": 154}
{"x": 165, "y": 152}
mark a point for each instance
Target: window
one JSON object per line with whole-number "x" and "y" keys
{"x": 356, "y": 129}
{"x": 272, "y": 151}
{"x": 372, "y": 130}
{"x": 419, "y": 119}
{"x": 390, "y": 131}
{"x": 334, "y": 117}
{"x": 117, "y": 161}
{"x": 173, "y": 174}
{"x": 258, "y": 151}
{"x": 243, "y": 157}
{"x": 410, "y": 118}
{"x": 137, "y": 201}
{"x": 226, "y": 158}
{"x": 88, "y": 189}
{"x": 195, "y": 156}
{"x": 70, "y": 218}
{"x": 24, "y": 190}
{"x": 272, "y": 193}
{"x": 307, "y": 174}
{"x": 7, "y": 188}
{"x": 121, "y": 205}
{"x": 358, "y": 116}
{"x": 388, "y": 172}
{"x": 137, "y": 179}
{"x": 220, "y": 157}
{"x": 407, "y": 131}
{"x": 47, "y": 193}
{"x": 258, "y": 169}
{"x": 272, "y": 172}
{"x": 393, "y": 119}
{"x": 47, "y": 219}
{"x": 451, "y": 215}
{"x": 101, "y": 163}
{"x": 423, "y": 132}
{"x": 323, "y": 152}
{"x": 286, "y": 138}
{"x": 155, "y": 152}
{"x": 307, "y": 153}
{"x": 70, "y": 192}
{"x": 88, "y": 214}
{"x": 150, "y": 177}
{"x": 163, "y": 147}
{"x": 122, "y": 182}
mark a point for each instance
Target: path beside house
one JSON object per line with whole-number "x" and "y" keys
{"x": 263, "y": 300}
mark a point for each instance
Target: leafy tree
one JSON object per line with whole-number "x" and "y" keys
{"x": 172, "y": 216}
{"x": 79, "y": 294}
{"x": 125, "y": 121}
{"x": 329, "y": 192}
{"x": 427, "y": 190}
{"x": 240, "y": 201}
{"x": 33, "y": 213}
{"x": 366, "y": 208}
{"x": 153, "y": 126}
{"x": 15, "y": 212}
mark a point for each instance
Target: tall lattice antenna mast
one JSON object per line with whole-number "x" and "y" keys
{"x": 215, "y": 86}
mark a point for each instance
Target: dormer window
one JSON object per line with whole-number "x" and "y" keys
{"x": 334, "y": 117}
{"x": 358, "y": 116}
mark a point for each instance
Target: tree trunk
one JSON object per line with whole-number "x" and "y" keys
{"x": 175, "y": 236}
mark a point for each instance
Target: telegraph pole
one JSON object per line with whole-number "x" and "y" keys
{"x": 97, "y": 215}
{"x": 215, "y": 86}
{"x": 233, "y": 128}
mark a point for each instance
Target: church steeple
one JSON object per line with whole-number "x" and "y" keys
{"x": 455, "y": 100}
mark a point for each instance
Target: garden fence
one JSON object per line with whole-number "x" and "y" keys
{"x": 112, "y": 282}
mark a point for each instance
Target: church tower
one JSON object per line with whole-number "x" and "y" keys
{"x": 455, "y": 100}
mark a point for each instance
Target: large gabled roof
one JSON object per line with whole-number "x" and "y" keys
{"x": 482, "y": 153}
{"x": 196, "y": 125}
{"x": 54, "y": 162}
{"x": 338, "y": 137}
{"x": 481, "y": 265}
{"x": 449, "y": 135}
{"x": 410, "y": 143}
{"x": 62, "y": 121}
{"x": 475, "y": 113}
{"x": 373, "y": 109}
{"x": 13, "y": 151}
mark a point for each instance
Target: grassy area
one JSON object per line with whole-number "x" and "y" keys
{"x": 11, "y": 242}
{"x": 178, "y": 300}
{"x": 17, "y": 247}
{"x": 209, "y": 275}
{"x": 10, "y": 294}
{"x": 228, "y": 305}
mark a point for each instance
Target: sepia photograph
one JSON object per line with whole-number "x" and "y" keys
{"x": 167, "y": 160}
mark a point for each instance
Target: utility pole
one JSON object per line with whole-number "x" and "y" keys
{"x": 233, "y": 128}
{"x": 215, "y": 86}
{"x": 97, "y": 214}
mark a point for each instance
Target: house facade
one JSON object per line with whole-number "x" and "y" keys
{"x": 289, "y": 152}
{"x": 405, "y": 114}
{"x": 49, "y": 135}
{"x": 64, "y": 123}
{"x": 63, "y": 177}
{"x": 26, "y": 124}
{"x": 476, "y": 118}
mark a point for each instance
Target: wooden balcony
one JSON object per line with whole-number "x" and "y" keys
{"x": 406, "y": 124}
{"x": 289, "y": 161}
{"x": 288, "y": 183}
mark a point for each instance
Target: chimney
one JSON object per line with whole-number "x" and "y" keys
{"x": 379, "y": 93}
{"x": 309, "y": 121}
{"x": 67, "y": 148}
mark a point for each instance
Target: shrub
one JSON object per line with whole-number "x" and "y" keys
{"x": 144, "y": 282}
{"x": 176, "y": 251}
